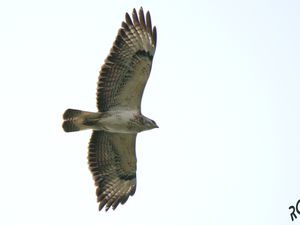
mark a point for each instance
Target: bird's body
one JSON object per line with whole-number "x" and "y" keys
{"x": 121, "y": 83}
{"x": 130, "y": 122}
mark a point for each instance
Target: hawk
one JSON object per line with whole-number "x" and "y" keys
{"x": 120, "y": 87}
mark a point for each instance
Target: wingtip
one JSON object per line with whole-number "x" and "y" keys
{"x": 154, "y": 36}
{"x": 141, "y": 10}
{"x": 134, "y": 11}
{"x": 128, "y": 19}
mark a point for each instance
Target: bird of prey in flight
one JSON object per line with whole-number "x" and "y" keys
{"x": 120, "y": 87}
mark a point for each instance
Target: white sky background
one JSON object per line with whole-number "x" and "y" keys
{"x": 224, "y": 90}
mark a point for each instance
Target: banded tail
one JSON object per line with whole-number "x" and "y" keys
{"x": 76, "y": 120}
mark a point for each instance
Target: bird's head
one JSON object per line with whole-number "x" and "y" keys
{"x": 149, "y": 124}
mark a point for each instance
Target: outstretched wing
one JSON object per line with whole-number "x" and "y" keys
{"x": 112, "y": 161}
{"x": 127, "y": 68}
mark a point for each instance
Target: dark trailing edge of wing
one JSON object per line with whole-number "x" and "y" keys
{"x": 127, "y": 177}
{"x": 144, "y": 53}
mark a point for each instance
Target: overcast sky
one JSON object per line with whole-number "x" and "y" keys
{"x": 224, "y": 90}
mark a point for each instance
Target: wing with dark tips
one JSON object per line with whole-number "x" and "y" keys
{"x": 127, "y": 68}
{"x": 112, "y": 161}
